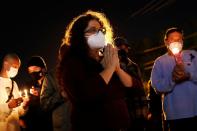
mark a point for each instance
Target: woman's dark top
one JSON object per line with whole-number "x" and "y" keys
{"x": 96, "y": 105}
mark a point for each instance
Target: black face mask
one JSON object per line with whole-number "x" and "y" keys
{"x": 36, "y": 75}
{"x": 122, "y": 53}
{"x": 123, "y": 56}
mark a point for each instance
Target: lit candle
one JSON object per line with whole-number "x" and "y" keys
{"x": 20, "y": 94}
{"x": 26, "y": 95}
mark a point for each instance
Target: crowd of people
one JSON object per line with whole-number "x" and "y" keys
{"x": 97, "y": 87}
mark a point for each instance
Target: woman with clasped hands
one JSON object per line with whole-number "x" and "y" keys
{"x": 90, "y": 74}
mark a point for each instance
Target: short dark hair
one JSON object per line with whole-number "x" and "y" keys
{"x": 121, "y": 41}
{"x": 171, "y": 30}
{"x": 8, "y": 56}
{"x": 12, "y": 56}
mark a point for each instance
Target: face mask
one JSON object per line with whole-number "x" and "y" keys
{"x": 122, "y": 53}
{"x": 36, "y": 75}
{"x": 12, "y": 72}
{"x": 175, "y": 47}
{"x": 96, "y": 41}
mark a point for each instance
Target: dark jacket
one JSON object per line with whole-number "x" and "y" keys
{"x": 96, "y": 105}
{"x": 36, "y": 119}
{"x": 52, "y": 101}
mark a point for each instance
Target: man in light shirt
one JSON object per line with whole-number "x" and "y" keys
{"x": 11, "y": 103}
{"x": 174, "y": 75}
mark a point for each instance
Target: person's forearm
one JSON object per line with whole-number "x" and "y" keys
{"x": 5, "y": 108}
{"x": 125, "y": 78}
{"x": 106, "y": 74}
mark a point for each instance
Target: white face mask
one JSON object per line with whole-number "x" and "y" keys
{"x": 12, "y": 72}
{"x": 96, "y": 41}
{"x": 175, "y": 47}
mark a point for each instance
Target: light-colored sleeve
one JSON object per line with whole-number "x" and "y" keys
{"x": 20, "y": 108}
{"x": 5, "y": 111}
{"x": 160, "y": 83}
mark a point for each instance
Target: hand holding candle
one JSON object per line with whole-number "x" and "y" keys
{"x": 20, "y": 94}
{"x": 26, "y": 94}
{"x": 34, "y": 91}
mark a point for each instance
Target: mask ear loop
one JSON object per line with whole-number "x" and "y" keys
{"x": 101, "y": 51}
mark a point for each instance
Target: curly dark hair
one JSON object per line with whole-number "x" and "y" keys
{"x": 77, "y": 43}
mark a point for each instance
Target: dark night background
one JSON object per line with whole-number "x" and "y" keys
{"x": 37, "y": 28}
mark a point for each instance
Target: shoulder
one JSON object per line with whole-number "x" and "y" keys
{"x": 71, "y": 66}
{"x": 72, "y": 61}
{"x": 51, "y": 73}
{"x": 162, "y": 58}
{"x": 193, "y": 52}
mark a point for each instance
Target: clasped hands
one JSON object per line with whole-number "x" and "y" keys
{"x": 110, "y": 58}
{"x": 179, "y": 74}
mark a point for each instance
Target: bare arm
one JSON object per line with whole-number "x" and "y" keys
{"x": 125, "y": 78}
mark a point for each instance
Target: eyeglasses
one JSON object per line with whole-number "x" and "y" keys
{"x": 95, "y": 30}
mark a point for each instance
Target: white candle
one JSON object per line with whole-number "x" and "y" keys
{"x": 20, "y": 94}
{"x": 26, "y": 95}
